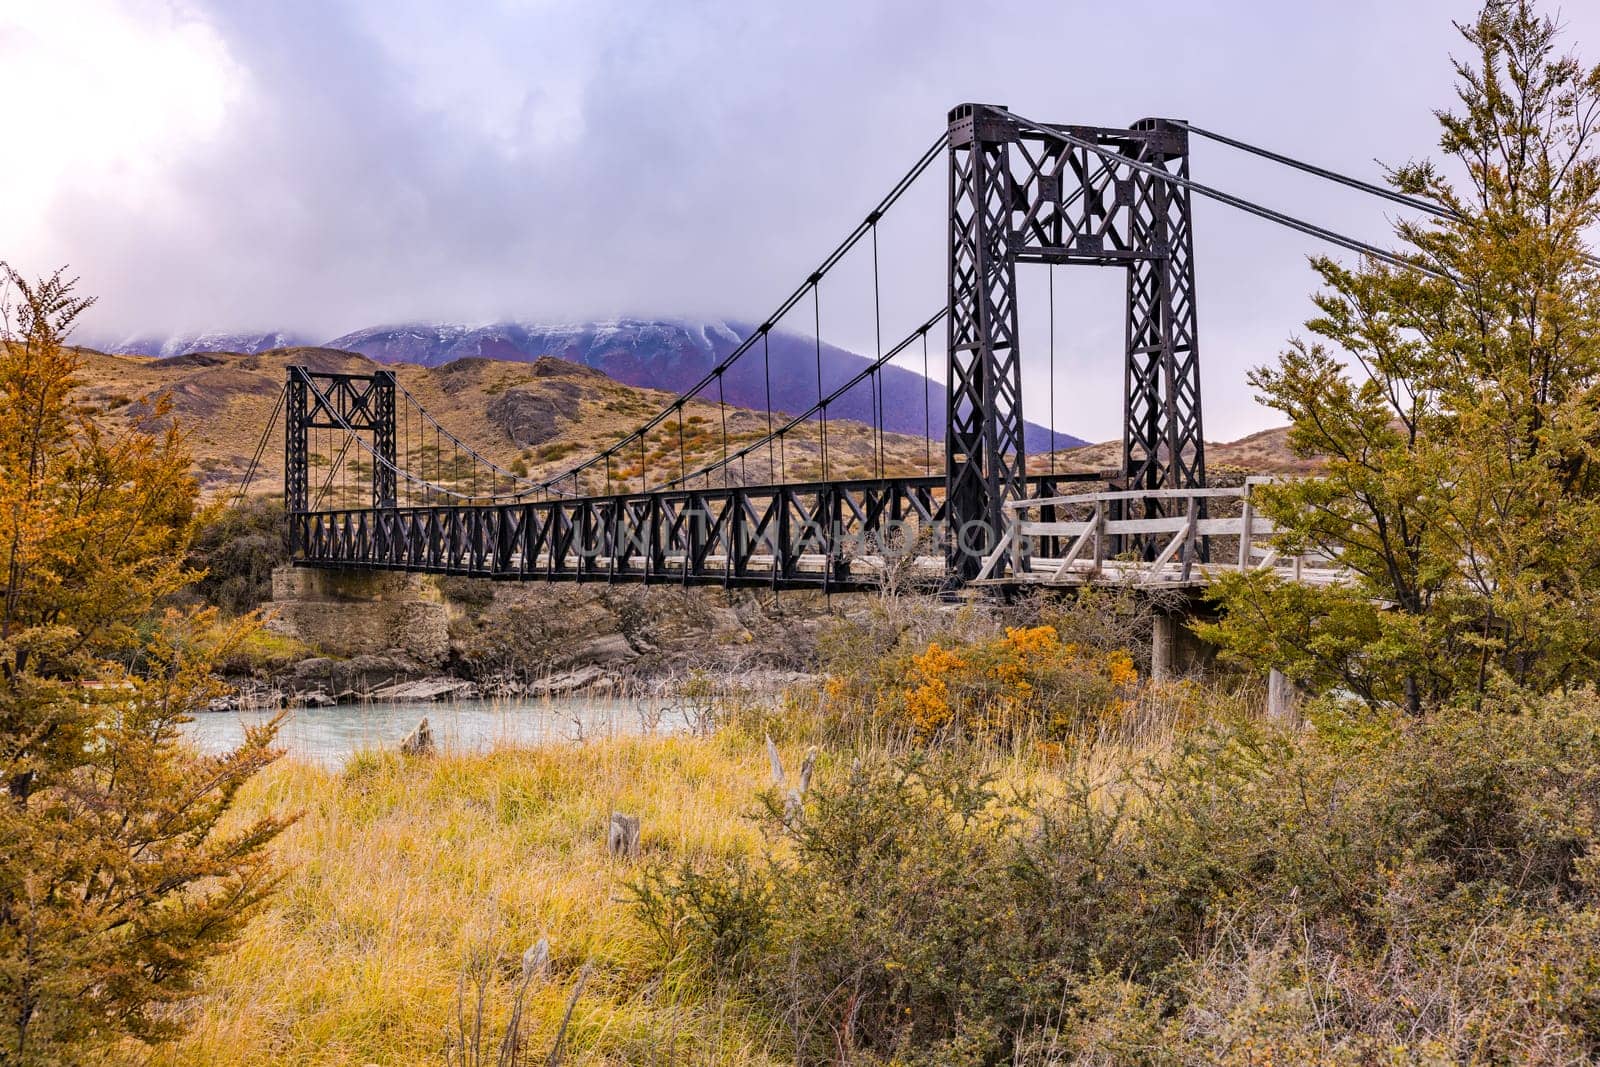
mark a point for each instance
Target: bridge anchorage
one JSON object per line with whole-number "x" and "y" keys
{"x": 373, "y": 481}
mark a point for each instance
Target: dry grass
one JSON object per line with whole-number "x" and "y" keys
{"x": 402, "y": 872}
{"x": 403, "y": 875}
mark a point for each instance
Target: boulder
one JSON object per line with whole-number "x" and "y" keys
{"x": 426, "y": 690}
{"x": 572, "y": 681}
{"x": 356, "y": 676}
{"x": 607, "y": 649}
{"x": 531, "y": 417}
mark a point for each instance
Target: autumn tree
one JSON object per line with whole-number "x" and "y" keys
{"x": 119, "y": 874}
{"x": 1456, "y": 405}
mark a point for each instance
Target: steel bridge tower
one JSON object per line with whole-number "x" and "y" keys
{"x": 348, "y": 403}
{"x": 1020, "y": 195}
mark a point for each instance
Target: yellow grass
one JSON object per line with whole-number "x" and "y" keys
{"x": 402, "y": 871}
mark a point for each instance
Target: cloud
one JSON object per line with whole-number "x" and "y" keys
{"x": 322, "y": 166}
{"x": 103, "y": 96}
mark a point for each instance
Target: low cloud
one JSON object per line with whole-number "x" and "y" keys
{"x": 319, "y": 167}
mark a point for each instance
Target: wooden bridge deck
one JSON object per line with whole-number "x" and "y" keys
{"x": 1087, "y": 542}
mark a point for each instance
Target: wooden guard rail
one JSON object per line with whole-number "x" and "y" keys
{"x": 1091, "y": 555}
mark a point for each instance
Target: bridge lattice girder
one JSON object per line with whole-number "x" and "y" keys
{"x": 1019, "y": 195}
{"x": 810, "y": 535}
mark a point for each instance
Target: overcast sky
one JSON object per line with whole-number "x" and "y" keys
{"x": 318, "y": 166}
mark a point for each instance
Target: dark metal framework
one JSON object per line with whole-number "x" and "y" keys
{"x": 807, "y": 535}
{"x": 359, "y": 403}
{"x": 803, "y": 535}
{"x": 1018, "y": 194}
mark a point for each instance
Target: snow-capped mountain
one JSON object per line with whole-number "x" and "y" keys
{"x": 663, "y": 354}
{"x": 187, "y": 344}
{"x": 675, "y": 354}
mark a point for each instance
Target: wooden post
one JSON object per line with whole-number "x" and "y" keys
{"x": 622, "y": 839}
{"x": 1246, "y": 521}
{"x": 1021, "y": 558}
{"x": 1282, "y": 698}
{"x": 1099, "y": 536}
{"x": 419, "y": 742}
{"x": 1164, "y": 646}
{"x": 1191, "y": 522}
{"x": 794, "y": 801}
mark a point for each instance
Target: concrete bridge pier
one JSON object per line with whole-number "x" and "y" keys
{"x": 359, "y": 612}
{"x": 1174, "y": 648}
{"x": 1175, "y": 651}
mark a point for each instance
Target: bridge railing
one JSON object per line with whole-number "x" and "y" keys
{"x": 1167, "y": 546}
{"x": 823, "y": 535}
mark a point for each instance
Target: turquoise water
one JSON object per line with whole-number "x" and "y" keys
{"x": 330, "y": 735}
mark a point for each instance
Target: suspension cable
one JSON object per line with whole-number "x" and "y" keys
{"x": 927, "y": 410}
{"x": 816, "y": 312}
{"x": 877, "y": 332}
{"x": 1416, "y": 203}
{"x": 327, "y": 405}
{"x": 472, "y": 453}
{"x": 722, "y": 407}
{"x": 1259, "y": 210}
{"x": 766, "y": 370}
{"x": 261, "y": 446}
{"x": 856, "y": 235}
{"x": 327, "y": 483}
{"x": 1404, "y": 199}
{"x": 795, "y": 421}
{"x": 1052, "y": 270}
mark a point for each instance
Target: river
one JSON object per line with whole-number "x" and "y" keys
{"x": 330, "y": 735}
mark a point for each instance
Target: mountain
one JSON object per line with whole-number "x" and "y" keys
{"x": 664, "y": 354}
{"x": 1263, "y": 452}
{"x": 189, "y": 344}
{"x": 535, "y": 417}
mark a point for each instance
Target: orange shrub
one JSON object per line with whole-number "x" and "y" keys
{"x": 1028, "y": 679}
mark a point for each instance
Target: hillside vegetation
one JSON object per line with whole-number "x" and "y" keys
{"x": 537, "y": 417}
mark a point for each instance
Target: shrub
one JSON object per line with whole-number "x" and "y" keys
{"x": 237, "y": 549}
{"x": 1374, "y": 890}
{"x": 123, "y": 867}
{"x": 473, "y": 593}
{"x": 715, "y": 919}
{"x": 259, "y": 651}
{"x": 1024, "y": 682}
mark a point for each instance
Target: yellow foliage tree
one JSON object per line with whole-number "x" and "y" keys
{"x": 117, "y": 877}
{"x": 1456, "y": 413}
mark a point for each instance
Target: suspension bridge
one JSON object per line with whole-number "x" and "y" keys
{"x": 373, "y": 481}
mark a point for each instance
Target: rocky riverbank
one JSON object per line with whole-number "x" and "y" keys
{"x": 320, "y": 682}
{"x": 377, "y": 637}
